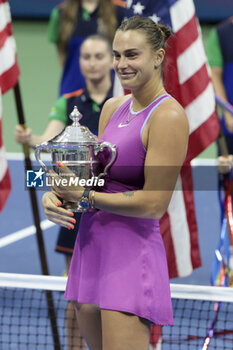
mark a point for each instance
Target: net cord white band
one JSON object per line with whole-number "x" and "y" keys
{"x": 56, "y": 283}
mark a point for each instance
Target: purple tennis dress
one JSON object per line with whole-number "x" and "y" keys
{"x": 119, "y": 262}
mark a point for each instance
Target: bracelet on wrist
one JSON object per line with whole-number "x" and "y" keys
{"x": 92, "y": 199}
{"x": 87, "y": 200}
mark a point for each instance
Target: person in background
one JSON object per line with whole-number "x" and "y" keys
{"x": 96, "y": 66}
{"x": 118, "y": 278}
{"x": 70, "y": 23}
{"x": 220, "y": 56}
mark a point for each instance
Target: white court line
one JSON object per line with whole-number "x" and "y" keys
{"x": 26, "y": 232}
{"x": 204, "y": 162}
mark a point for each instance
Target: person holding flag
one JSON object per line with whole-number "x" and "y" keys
{"x": 118, "y": 277}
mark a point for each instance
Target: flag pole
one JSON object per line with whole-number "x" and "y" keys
{"x": 36, "y": 217}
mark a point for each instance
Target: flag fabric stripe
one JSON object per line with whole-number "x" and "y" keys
{"x": 196, "y": 54}
{"x": 179, "y": 17}
{"x": 188, "y": 80}
{"x": 5, "y": 183}
{"x": 201, "y": 137}
{"x": 188, "y": 195}
{"x": 197, "y": 98}
{"x": 7, "y": 55}
{"x": 198, "y": 82}
{"x": 199, "y": 111}
{"x": 191, "y": 61}
{"x": 180, "y": 232}
{"x": 9, "y": 70}
{"x": 1, "y": 140}
{"x": 181, "y": 36}
{"x": 3, "y": 163}
{"x": 5, "y": 188}
{"x": 165, "y": 228}
{"x": 4, "y": 15}
{"x": 191, "y": 96}
{"x": 4, "y": 34}
{"x": 9, "y": 73}
{"x": 10, "y": 77}
{"x": 191, "y": 82}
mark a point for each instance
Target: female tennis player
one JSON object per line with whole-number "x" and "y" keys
{"x": 118, "y": 277}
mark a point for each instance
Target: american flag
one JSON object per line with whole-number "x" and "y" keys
{"x": 187, "y": 79}
{"x": 9, "y": 73}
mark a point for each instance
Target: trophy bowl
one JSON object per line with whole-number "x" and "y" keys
{"x": 79, "y": 150}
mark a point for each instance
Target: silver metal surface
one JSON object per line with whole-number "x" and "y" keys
{"x": 78, "y": 149}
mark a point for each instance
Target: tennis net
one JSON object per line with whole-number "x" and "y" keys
{"x": 35, "y": 315}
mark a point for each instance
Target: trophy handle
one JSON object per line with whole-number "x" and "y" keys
{"x": 113, "y": 151}
{"x": 37, "y": 155}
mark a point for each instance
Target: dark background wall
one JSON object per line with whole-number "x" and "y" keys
{"x": 32, "y": 8}
{"x": 207, "y": 10}
{"x": 213, "y": 10}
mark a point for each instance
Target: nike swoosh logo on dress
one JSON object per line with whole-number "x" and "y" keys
{"x": 122, "y": 125}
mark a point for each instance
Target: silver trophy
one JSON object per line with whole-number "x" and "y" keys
{"x": 79, "y": 150}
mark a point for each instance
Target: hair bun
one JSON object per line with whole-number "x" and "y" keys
{"x": 166, "y": 30}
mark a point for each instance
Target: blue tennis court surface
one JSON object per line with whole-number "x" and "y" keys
{"x": 21, "y": 254}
